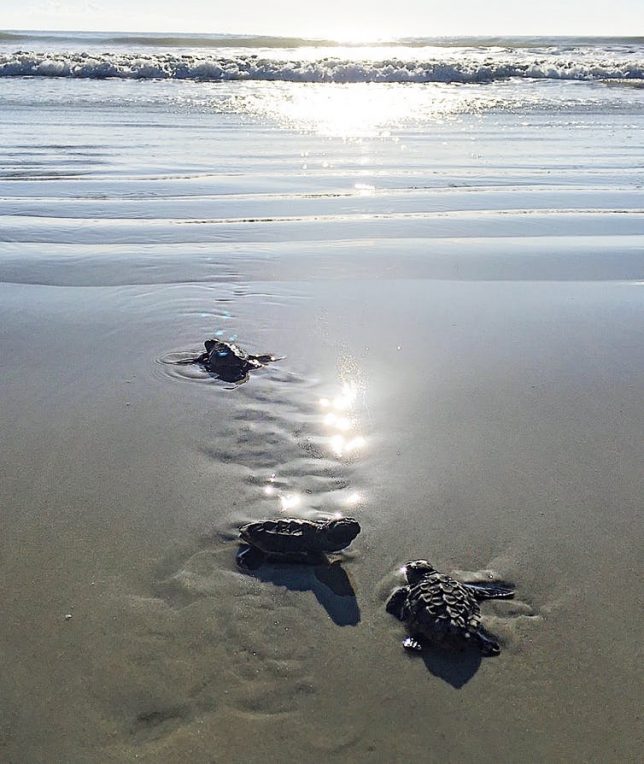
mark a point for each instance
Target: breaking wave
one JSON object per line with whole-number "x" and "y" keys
{"x": 475, "y": 69}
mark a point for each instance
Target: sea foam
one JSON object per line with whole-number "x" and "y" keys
{"x": 210, "y": 68}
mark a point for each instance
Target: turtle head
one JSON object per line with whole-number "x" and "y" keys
{"x": 340, "y": 533}
{"x": 416, "y": 570}
{"x": 222, "y": 349}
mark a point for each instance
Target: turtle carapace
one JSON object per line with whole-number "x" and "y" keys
{"x": 296, "y": 540}
{"x": 440, "y": 610}
{"x": 229, "y": 362}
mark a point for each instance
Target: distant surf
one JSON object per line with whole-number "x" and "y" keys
{"x": 275, "y": 41}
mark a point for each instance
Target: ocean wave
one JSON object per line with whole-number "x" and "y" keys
{"x": 85, "y": 65}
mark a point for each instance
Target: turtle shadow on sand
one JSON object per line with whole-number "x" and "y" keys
{"x": 452, "y": 666}
{"x": 327, "y": 580}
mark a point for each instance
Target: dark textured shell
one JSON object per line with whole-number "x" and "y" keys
{"x": 440, "y": 605}
{"x": 221, "y": 355}
{"x": 283, "y": 536}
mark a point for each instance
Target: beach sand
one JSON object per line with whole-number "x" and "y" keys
{"x": 501, "y": 425}
{"x": 488, "y": 369}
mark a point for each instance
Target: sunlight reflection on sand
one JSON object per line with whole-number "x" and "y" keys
{"x": 340, "y": 438}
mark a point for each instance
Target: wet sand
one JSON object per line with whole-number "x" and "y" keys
{"x": 465, "y": 382}
{"x": 501, "y": 425}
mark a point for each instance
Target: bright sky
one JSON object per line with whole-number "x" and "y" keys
{"x": 343, "y": 19}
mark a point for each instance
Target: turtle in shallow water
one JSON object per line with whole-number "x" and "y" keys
{"x": 229, "y": 362}
{"x": 297, "y": 540}
{"x": 442, "y": 611}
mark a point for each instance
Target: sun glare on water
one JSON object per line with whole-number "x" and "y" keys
{"x": 339, "y": 420}
{"x": 355, "y": 110}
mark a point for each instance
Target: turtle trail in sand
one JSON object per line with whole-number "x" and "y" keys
{"x": 439, "y": 610}
{"x": 293, "y": 540}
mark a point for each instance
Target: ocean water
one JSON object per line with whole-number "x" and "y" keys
{"x": 444, "y": 239}
{"x": 221, "y": 140}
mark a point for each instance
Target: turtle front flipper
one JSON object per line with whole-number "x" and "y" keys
{"x": 489, "y": 590}
{"x": 202, "y": 359}
{"x": 250, "y": 557}
{"x": 396, "y": 603}
{"x": 486, "y": 644}
{"x": 412, "y": 644}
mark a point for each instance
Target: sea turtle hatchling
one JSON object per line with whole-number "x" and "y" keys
{"x": 229, "y": 362}
{"x": 442, "y": 611}
{"x": 296, "y": 540}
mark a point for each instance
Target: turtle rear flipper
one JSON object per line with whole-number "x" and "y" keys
{"x": 486, "y": 645}
{"x": 305, "y": 558}
{"x": 265, "y": 358}
{"x": 396, "y": 603}
{"x": 490, "y": 590}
